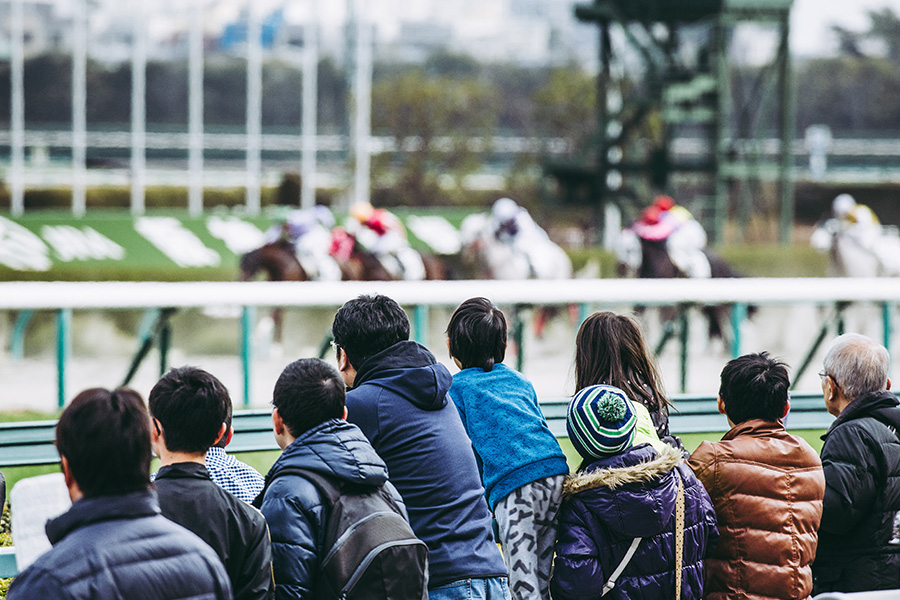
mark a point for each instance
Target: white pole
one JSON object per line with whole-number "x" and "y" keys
{"x": 254, "y": 106}
{"x": 79, "y": 109}
{"x": 362, "y": 102}
{"x": 17, "y": 75}
{"x": 310, "y": 113}
{"x": 195, "y": 111}
{"x": 138, "y": 108}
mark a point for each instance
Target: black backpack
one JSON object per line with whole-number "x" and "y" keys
{"x": 370, "y": 551}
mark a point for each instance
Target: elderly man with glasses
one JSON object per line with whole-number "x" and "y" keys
{"x": 859, "y": 548}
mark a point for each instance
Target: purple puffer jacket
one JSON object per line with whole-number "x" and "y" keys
{"x": 617, "y": 499}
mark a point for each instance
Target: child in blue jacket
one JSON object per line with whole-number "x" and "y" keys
{"x": 521, "y": 463}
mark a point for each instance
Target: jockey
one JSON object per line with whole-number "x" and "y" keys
{"x": 846, "y": 209}
{"x": 308, "y": 231}
{"x": 684, "y": 236}
{"x": 511, "y": 225}
{"x": 380, "y": 233}
{"x": 859, "y": 223}
{"x": 686, "y": 243}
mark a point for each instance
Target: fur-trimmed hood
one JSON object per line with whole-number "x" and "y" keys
{"x": 613, "y": 477}
{"x": 634, "y": 492}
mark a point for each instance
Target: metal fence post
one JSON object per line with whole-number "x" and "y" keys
{"x": 63, "y": 348}
{"x": 248, "y": 317}
{"x": 738, "y": 315}
{"x": 421, "y": 318}
{"x": 17, "y": 345}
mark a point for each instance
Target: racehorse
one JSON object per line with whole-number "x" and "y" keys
{"x": 656, "y": 264}
{"x": 279, "y": 263}
{"x": 490, "y": 258}
{"x": 359, "y": 265}
{"x": 856, "y": 252}
{"x": 494, "y": 259}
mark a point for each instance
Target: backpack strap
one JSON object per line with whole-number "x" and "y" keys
{"x": 611, "y": 582}
{"x": 328, "y": 488}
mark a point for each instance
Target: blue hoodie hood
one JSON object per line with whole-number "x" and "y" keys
{"x": 335, "y": 448}
{"x": 411, "y": 372}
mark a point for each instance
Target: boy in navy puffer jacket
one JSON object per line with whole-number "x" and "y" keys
{"x": 621, "y": 493}
{"x": 522, "y": 466}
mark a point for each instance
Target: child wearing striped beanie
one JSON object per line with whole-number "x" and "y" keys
{"x": 619, "y": 525}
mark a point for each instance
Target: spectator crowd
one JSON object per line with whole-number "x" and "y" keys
{"x": 398, "y": 480}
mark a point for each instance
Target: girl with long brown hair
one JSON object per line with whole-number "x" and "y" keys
{"x": 611, "y": 349}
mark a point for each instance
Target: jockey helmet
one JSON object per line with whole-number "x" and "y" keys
{"x": 362, "y": 211}
{"x": 651, "y": 215}
{"x": 843, "y": 205}
{"x": 663, "y": 203}
{"x": 504, "y": 210}
{"x": 653, "y": 225}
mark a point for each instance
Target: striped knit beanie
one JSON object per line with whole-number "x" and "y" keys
{"x": 601, "y": 421}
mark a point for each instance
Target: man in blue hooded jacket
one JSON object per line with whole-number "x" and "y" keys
{"x": 398, "y": 398}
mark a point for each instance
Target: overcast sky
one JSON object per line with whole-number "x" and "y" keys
{"x": 811, "y": 21}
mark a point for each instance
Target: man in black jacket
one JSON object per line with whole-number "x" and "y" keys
{"x": 858, "y": 546}
{"x": 113, "y": 543}
{"x": 188, "y": 407}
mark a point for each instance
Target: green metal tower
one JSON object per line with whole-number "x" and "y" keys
{"x": 671, "y": 119}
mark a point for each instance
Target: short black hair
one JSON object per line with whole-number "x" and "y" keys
{"x": 308, "y": 392}
{"x": 105, "y": 438}
{"x": 477, "y": 334}
{"x": 366, "y": 325}
{"x": 190, "y": 405}
{"x": 754, "y": 386}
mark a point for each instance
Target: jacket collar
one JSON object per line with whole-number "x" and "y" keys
{"x": 877, "y": 405}
{"x": 183, "y": 470}
{"x": 402, "y": 355}
{"x": 88, "y": 511}
{"x": 641, "y": 471}
{"x": 754, "y": 427}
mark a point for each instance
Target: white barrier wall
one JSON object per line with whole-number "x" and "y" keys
{"x": 111, "y": 295}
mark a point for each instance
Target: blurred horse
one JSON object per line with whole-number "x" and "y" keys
{"x": 858, "y": 252}
{"x": 359, "y": 265}
{"x": 279, "y": 263}
{"x": 655, "y": 263}
{"x": 494, "y": 259}
{"x": 490, "y": 258}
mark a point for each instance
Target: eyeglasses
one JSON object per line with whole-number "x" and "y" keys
{"x": 823, "y": 375}
{"x": 335, "y": 346}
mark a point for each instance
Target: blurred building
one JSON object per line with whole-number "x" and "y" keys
{"x": 531, "y": 32}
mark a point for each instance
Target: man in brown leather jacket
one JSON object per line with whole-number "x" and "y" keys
{"x": 766, "y": 485}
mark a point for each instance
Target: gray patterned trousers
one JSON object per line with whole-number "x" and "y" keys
{"x": 527, "y": 521}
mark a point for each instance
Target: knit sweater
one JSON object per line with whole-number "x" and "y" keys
{"x": 511, "y": 439}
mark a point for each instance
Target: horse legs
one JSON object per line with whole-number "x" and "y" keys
{"x": 278, "y": 321}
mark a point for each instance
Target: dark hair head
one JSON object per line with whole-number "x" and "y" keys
{"x": 365, "y": 326}
{"x": 754, "y": 386}
{"x": 308, "y": 392}
{"x": 105, "y": 438}
{"x": 610, "y": 349}
{"x": 190, "y": 405}
{"x": 477, "y": 333}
